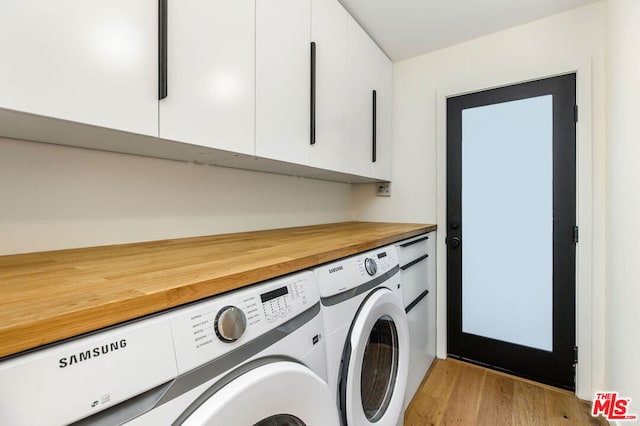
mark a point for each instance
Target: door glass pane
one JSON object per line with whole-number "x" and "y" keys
{"x": 379, "y": 368}
{"x": 280, "y": 420}
{"x": 507, "y": 221}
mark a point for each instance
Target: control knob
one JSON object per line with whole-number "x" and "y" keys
{"x": 370, "y": 266}
{"x": 230, "y": 324}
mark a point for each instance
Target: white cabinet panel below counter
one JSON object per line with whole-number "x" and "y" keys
{"x": 417, "y": 277}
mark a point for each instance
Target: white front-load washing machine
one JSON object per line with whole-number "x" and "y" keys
{"x": 254, "y": 356}
{"x": 367, "y": 337}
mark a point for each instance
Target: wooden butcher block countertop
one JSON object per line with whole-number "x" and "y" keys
{"x": 49, "y": 296}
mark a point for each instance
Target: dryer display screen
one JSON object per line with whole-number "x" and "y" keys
{"x": 273, "y": 294}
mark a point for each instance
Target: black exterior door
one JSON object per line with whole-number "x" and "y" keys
{"x": 511, "y": 216}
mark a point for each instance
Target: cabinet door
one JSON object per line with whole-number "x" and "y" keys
{"x": 283, "y": 32}
{"x": 210, "y": 100}
{"x": 329, "y": 33}
{"x": 369, "y": 71}
{"x": 87, "y": 61}
{"x": 383, "y": 82}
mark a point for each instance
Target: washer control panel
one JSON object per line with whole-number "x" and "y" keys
{"x": 213, "y": 327}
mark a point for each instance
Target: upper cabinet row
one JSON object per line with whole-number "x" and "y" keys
{"x": 296, "y": 81}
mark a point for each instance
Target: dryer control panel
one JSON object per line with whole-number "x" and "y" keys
{"x": 377, "y": 262}
{"x": 351, "y": 272}
{"x": 210, "y": 329}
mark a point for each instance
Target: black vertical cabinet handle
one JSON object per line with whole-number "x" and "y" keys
{"x": 375, "y": 104}
{"x": 162, "y": 49}
{"x": 312, "y": 122}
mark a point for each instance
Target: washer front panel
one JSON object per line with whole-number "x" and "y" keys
{"x": 70, "y": 381}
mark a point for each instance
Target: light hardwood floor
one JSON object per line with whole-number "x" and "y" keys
{"x": 459, "y": 393}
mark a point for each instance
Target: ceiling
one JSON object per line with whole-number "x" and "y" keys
{"x": 408, "y": 28}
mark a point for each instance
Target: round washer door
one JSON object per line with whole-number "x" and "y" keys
{"x": 374, "y": 376}
{"x": 282, "y": 393}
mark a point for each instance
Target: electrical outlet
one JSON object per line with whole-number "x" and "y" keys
{"x": 383, "y": 189}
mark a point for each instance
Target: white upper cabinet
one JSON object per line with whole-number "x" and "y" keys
{"x": 369, "y": 115}
{"x": 384, "y": 94}
{"x": 210, "y": 84}
{"x": 238, "y": 79}
{"x": 329, "y": 33}
{"x": 283, "y": 31}
{"x": 87, "y": 61}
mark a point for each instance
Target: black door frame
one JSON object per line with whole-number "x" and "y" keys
{"x": 557, "y": 367}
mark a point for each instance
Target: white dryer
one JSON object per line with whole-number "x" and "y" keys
{"x": 254, "y": 356}
{"x": 367, "y": 337}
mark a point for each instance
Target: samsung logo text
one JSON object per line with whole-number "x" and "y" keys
{"x": 92, "y": 353}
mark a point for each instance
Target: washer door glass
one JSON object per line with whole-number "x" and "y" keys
{"x": 281, "y": 420}
{"x": 379, "y": 368}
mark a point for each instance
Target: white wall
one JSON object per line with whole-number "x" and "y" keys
{"x": 55, "y": 197}
{"x": 570, "y": 41}
{"x": 623, "y": 224}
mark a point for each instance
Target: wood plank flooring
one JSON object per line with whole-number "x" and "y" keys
{"x": 459, "y": 393}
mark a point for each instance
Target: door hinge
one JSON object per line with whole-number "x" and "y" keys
{"x": 575, "y": 113}
{"x": 575, "y": 355}
{"x": 575, "y": 234}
